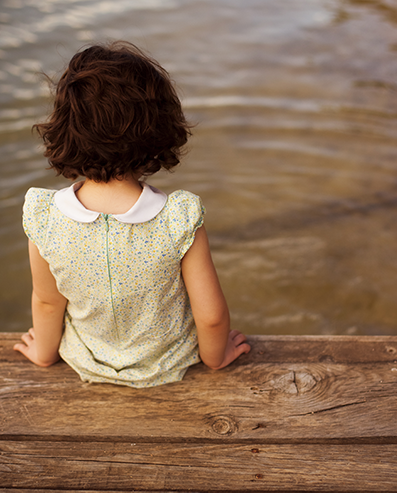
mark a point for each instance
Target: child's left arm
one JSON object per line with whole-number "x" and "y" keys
{"x": 42, "y": 341}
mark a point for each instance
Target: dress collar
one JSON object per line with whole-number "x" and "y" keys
{"x": 149, "y": 204}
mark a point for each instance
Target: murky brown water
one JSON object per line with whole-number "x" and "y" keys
{"x": 294, "y": 153}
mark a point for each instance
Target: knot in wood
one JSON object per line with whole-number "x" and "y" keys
{"x": 294, "y": 382}
{"x": 224, "y": 425}
{"x": 326, "y": 358}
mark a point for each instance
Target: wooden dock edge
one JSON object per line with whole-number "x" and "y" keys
{"x": 299, "y": 413}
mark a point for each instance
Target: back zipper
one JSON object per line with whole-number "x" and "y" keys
{"x": 106, "y": 217}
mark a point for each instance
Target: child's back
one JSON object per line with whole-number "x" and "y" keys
{"x": 112, "y": 258}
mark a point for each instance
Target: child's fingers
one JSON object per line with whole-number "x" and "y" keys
{"x": 233, "y": 333}
{"x": 21, "y": 348}
{"x": 27, "y": 338}
{"x": 240, "y": 346}
{"x": 239, "y": 339}
{"x": 236, "y": 333}
{"x": 31, "y": 332}
{"x": 243, "y": 348}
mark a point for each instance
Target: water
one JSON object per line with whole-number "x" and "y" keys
{"x": 294, "y": 152}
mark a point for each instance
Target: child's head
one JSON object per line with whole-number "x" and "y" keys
{"x": 116, "y": 113}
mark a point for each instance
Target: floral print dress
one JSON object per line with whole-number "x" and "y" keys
{"x": 128, "y": 319}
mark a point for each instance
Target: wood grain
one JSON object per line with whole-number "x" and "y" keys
{"x": 302, "y": 413}
{"x": 252, "y": 467}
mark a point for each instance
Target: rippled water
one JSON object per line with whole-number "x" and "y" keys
{"x": 294, "y": 152}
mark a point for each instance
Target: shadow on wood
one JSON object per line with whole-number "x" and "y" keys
{"x": 305, "y": 413}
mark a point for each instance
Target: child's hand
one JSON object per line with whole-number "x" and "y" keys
{"x": 29, "y": 349}
{"x": 235, "y": 347}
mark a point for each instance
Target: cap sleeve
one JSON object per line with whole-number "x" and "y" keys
{"x": 185, "y": 216}
{"x": 35, "y": 214}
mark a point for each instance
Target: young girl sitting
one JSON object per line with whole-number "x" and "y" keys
{"x": 124, "y": 288}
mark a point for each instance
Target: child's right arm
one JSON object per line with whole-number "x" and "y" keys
{"x": 217, "y": 344}
{"x": 40, "y": 345}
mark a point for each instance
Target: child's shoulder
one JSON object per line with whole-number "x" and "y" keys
{"x": 182, "y": 202}
{"x": 183, "y": 197}
{"x": 185, "y": 214}
{"x": 35, "y": 213}
{"x": 39, "y": 194}
{"x": 38, "y": 199}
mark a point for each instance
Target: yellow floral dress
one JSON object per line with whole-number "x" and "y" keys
{"x": 128, "y": 319}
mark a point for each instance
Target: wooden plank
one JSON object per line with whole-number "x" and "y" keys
{"x": 181, "y": 467}
{"x": 277, "y": 349}
{"x": 287, "y": 390}
{"x": 40, "y": 490}
{"x": 296, "y": 414}
{"x": 51, "y": 490}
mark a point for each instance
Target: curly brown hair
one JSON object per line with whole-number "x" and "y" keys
{"x": 116, "y": 113}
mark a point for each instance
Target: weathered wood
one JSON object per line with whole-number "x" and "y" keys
{"x": 304, "y": 413}
{"x": 65, "y": 490}
{"x": 227, "y": 467}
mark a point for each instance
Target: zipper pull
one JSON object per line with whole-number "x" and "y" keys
{"x": 106, "y": 216}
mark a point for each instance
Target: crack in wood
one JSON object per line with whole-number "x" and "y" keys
{"x": 105, "y": 460}
{"x": 330, "y": 408}
{"x": 241, "y": 407}
{"x": 259, "y": 425}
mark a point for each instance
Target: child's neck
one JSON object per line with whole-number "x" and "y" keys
{"x": 114, "y": 197}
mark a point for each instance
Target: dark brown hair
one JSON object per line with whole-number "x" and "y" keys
{"x": 115, "y": 113}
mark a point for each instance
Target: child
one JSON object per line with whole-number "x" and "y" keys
{"x": 124, "y": 288}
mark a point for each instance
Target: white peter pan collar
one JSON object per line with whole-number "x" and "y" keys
{"x": 150, "y": 203}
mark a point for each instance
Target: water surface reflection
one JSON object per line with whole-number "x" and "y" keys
{"x": 294, "y": 153}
